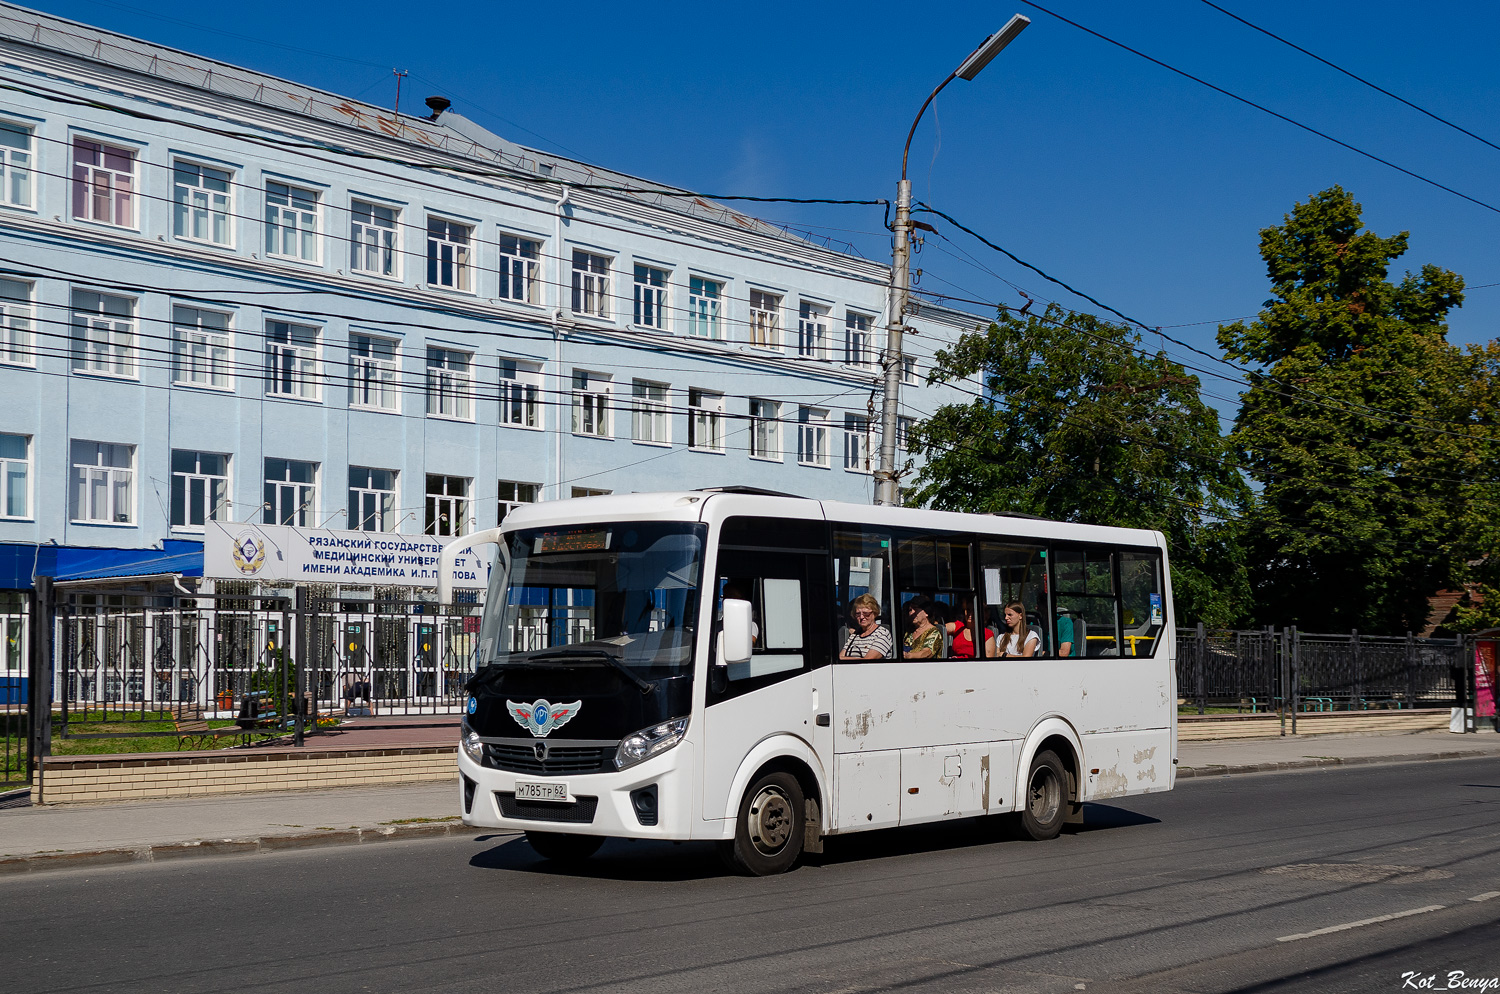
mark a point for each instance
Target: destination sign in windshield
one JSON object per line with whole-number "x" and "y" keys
{"x": 572, "y": 540}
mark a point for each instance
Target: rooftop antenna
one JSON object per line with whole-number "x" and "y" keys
{"x": 400, "y": 75}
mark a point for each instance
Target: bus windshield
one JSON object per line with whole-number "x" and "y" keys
{"x": 625, "y": 592}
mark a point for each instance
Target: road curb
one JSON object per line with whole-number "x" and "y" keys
{"x": 1194, "y": 772}
{"x": 41, "y": 862}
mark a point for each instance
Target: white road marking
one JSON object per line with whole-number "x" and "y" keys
{"x": 1486, "y": 896}
{"x": 1367, "y": 921}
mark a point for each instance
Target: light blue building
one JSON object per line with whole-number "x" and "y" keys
{"x": 229, "y": 296}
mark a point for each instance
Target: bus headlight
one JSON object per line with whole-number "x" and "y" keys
{"x": 468, "y": 741}
{"x": 640, "y": 746}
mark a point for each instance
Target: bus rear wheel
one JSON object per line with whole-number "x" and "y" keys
{"x": 769, "y": 829}
{"x": 1044, "y": 805}
{"x": 562, "y": 848}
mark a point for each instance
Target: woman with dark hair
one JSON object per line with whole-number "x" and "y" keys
{"x": 1018, "y": 640}
{"x": 925, "y": 639}
{"x": 963, "y": 633}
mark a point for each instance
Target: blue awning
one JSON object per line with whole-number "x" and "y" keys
{"x": 62, "y": 563}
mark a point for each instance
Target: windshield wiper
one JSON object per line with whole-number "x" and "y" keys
{"x": 608, "y": 657}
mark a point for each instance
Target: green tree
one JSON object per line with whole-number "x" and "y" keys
{"x": 1075, "y": 423}
{"x": 1362, "y": 427}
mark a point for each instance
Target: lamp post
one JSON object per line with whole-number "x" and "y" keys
{"x": 885, "y": 476}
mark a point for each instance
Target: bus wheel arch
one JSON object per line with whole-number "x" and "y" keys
{"x": 795, "y": 794}
{"x": 1055, "y": 736}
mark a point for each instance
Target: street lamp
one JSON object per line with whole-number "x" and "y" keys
{"x": 885, "y": 476}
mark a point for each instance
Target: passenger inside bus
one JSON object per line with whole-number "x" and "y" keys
{"x": 1019, "y": 639}
{"x": 869, "y": 639}
{"x": 962, "y": 630}
{"x": 925, "y": 638}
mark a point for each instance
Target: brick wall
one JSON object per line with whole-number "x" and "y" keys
{"x": 1199, "y": 728}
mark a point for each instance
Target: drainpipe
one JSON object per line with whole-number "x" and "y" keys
{"x": 559, "y": 374}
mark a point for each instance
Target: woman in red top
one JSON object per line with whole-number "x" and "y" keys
{"x": 963, "y": 641}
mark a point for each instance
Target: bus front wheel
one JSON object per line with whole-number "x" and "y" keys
{"x": 563, "y": 848}
{"x": 1044, "y": 806}
{"x": 769, "y": 830}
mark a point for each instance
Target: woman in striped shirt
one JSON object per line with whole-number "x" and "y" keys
{"x": 868, "y": 639}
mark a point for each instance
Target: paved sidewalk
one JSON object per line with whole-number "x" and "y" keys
{"x": 40, "y": 838}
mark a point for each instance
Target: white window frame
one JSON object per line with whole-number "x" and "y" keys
{"x": 17, "y": 317}
{"x": 13, "y": 469}
{"x": 294, "y": 360}
{"x": 198, "y": 203}
{"x": 297, "y": 498}
{"x": 449, "y": 255}
{"x": 103, "y": 340}
{"x": 17, "y": 176}
{"x": 650, "y": 412}
{"x": 765, "y": 429}
{"x": 520, "y": 394}
{"x": 903, "y": 433}
{"x": 383, "y": 511}
{"x": 512, "y": 497}
{"x": 812, "y": 330}
{"x": 812, "y": 437}
{"x": 652, "y": 294}
{"x": 289, "y": 216}
{"x": 591, "y": 407}
{"x": 450, "y": 384}
{"x": 520, "y": 268}
{"x": 374, "y": 245}
{"x": 102, "y": 193}
{"x": 94, "y": 472}
{"x": 201, "y": 353}
{"x": 765, "y": 319}
{"x": 591, "y": 273}
{"x": 213, "y": 491}
{"x": 705, "y": 420}
{"x": 909, "y": 370}
{"x": 858, "y": 350}
{"x": 858, "y": 443}
{"x": 706, "y": 308}
{"x": 444, "y": 504}
{"x": 372, "y": 374}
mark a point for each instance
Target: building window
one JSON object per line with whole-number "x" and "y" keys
{"x": 200, "y": 488}
{"x": 857, "y": 340}
{"x": 590, "y": 404}
{"x": 704, "y": 299}
{"x": 291, "y": 493}
{"x": 103, "y": 183}
{"x": 372, "y": 239}
{"x": 856, "y": 443}
{"x": 16, "y": 316}
{"x": 519, "y": 262}
{"x": 513, "y": 495}
{"x": 372, "y": 499}
{"x": 292, "y": 361}
{"x": 765, "y": 429}
{"x": 651, "y": 419}
{"x": 520, "y": 389}
{"x": 15, "y": 165}
{"x": 590, "y": 284}
{"x": 374, "y": 376}
{"x": 15, "y": 476}
{"x": 291, "y": 222}
{"x": 103, "y": 334}
{"x": 812, "y": 331}
{"x": 450, "y": 384}
{"x": 903, "y": 433}
{"x": 589, "y": 492}
{"x": 765, "y": 320}
{"x": 201, "y": 203}
{"x": 103, "y": 483}
{"x": 651, "y": 297}
{"x": 812, "y": 436}
{"x": 200, "y": 347}
{"x": 447, "y": 505}
{"x": 705, "y": 421}
{"x": 908, "y": 369}
{"x": 448, "y": 254}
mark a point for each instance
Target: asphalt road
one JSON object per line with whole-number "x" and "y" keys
{"x": 1188, "y": 891}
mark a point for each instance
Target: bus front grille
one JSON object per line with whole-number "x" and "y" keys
{"x": 580, "y": 812}
{"x": 561, "y": 760}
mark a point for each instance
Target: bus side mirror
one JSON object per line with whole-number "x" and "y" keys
{"x": 451, "y": 552}
{"x": 737, "y": 632}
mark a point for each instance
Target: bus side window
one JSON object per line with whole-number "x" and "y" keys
{"x": 862, "y": 566}
{"x": 1142, "y": 603}
{"x": 1087, "y": 592}
{"x": 1014, "y": 573}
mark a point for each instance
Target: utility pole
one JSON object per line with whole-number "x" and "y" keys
{"x": 886, "y": 491}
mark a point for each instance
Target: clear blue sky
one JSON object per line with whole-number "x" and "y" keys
{"x": 1138, "y": 186}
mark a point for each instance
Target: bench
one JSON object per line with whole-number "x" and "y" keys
{"x": 191, "y": 725}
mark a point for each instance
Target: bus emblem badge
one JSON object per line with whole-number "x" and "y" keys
{"x": 541, "y": 718}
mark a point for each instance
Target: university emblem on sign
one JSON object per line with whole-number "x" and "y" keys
{"x": 249, "y": 553}
{"x": 541, "y": 718}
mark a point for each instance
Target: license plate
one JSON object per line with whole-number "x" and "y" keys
{"x": 530, "y": 790}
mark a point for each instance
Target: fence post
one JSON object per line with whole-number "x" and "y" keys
{"x": 1296, "y": 670}
{"x": 1471, "y": 687}
{"x": 301, "y": 670}
{"x": 39, "y": 679}
{"x": 1202, "y": 649}
{"x": 1411, "y": 669}
{"x": 1283, "y": 680}
{"x": 1359, "y": 677}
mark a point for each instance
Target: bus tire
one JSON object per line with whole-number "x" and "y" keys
{"x": 1044, "y": 805}
{"x": 769, "y": 829}
{"x": 562, "y": 848}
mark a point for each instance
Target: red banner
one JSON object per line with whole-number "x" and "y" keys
{"x": 1484, "y": 678}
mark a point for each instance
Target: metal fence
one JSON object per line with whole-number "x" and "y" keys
{"x": 1270, "y": 669}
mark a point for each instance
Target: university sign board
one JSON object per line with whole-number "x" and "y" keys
{"x": 285, "y": 554}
